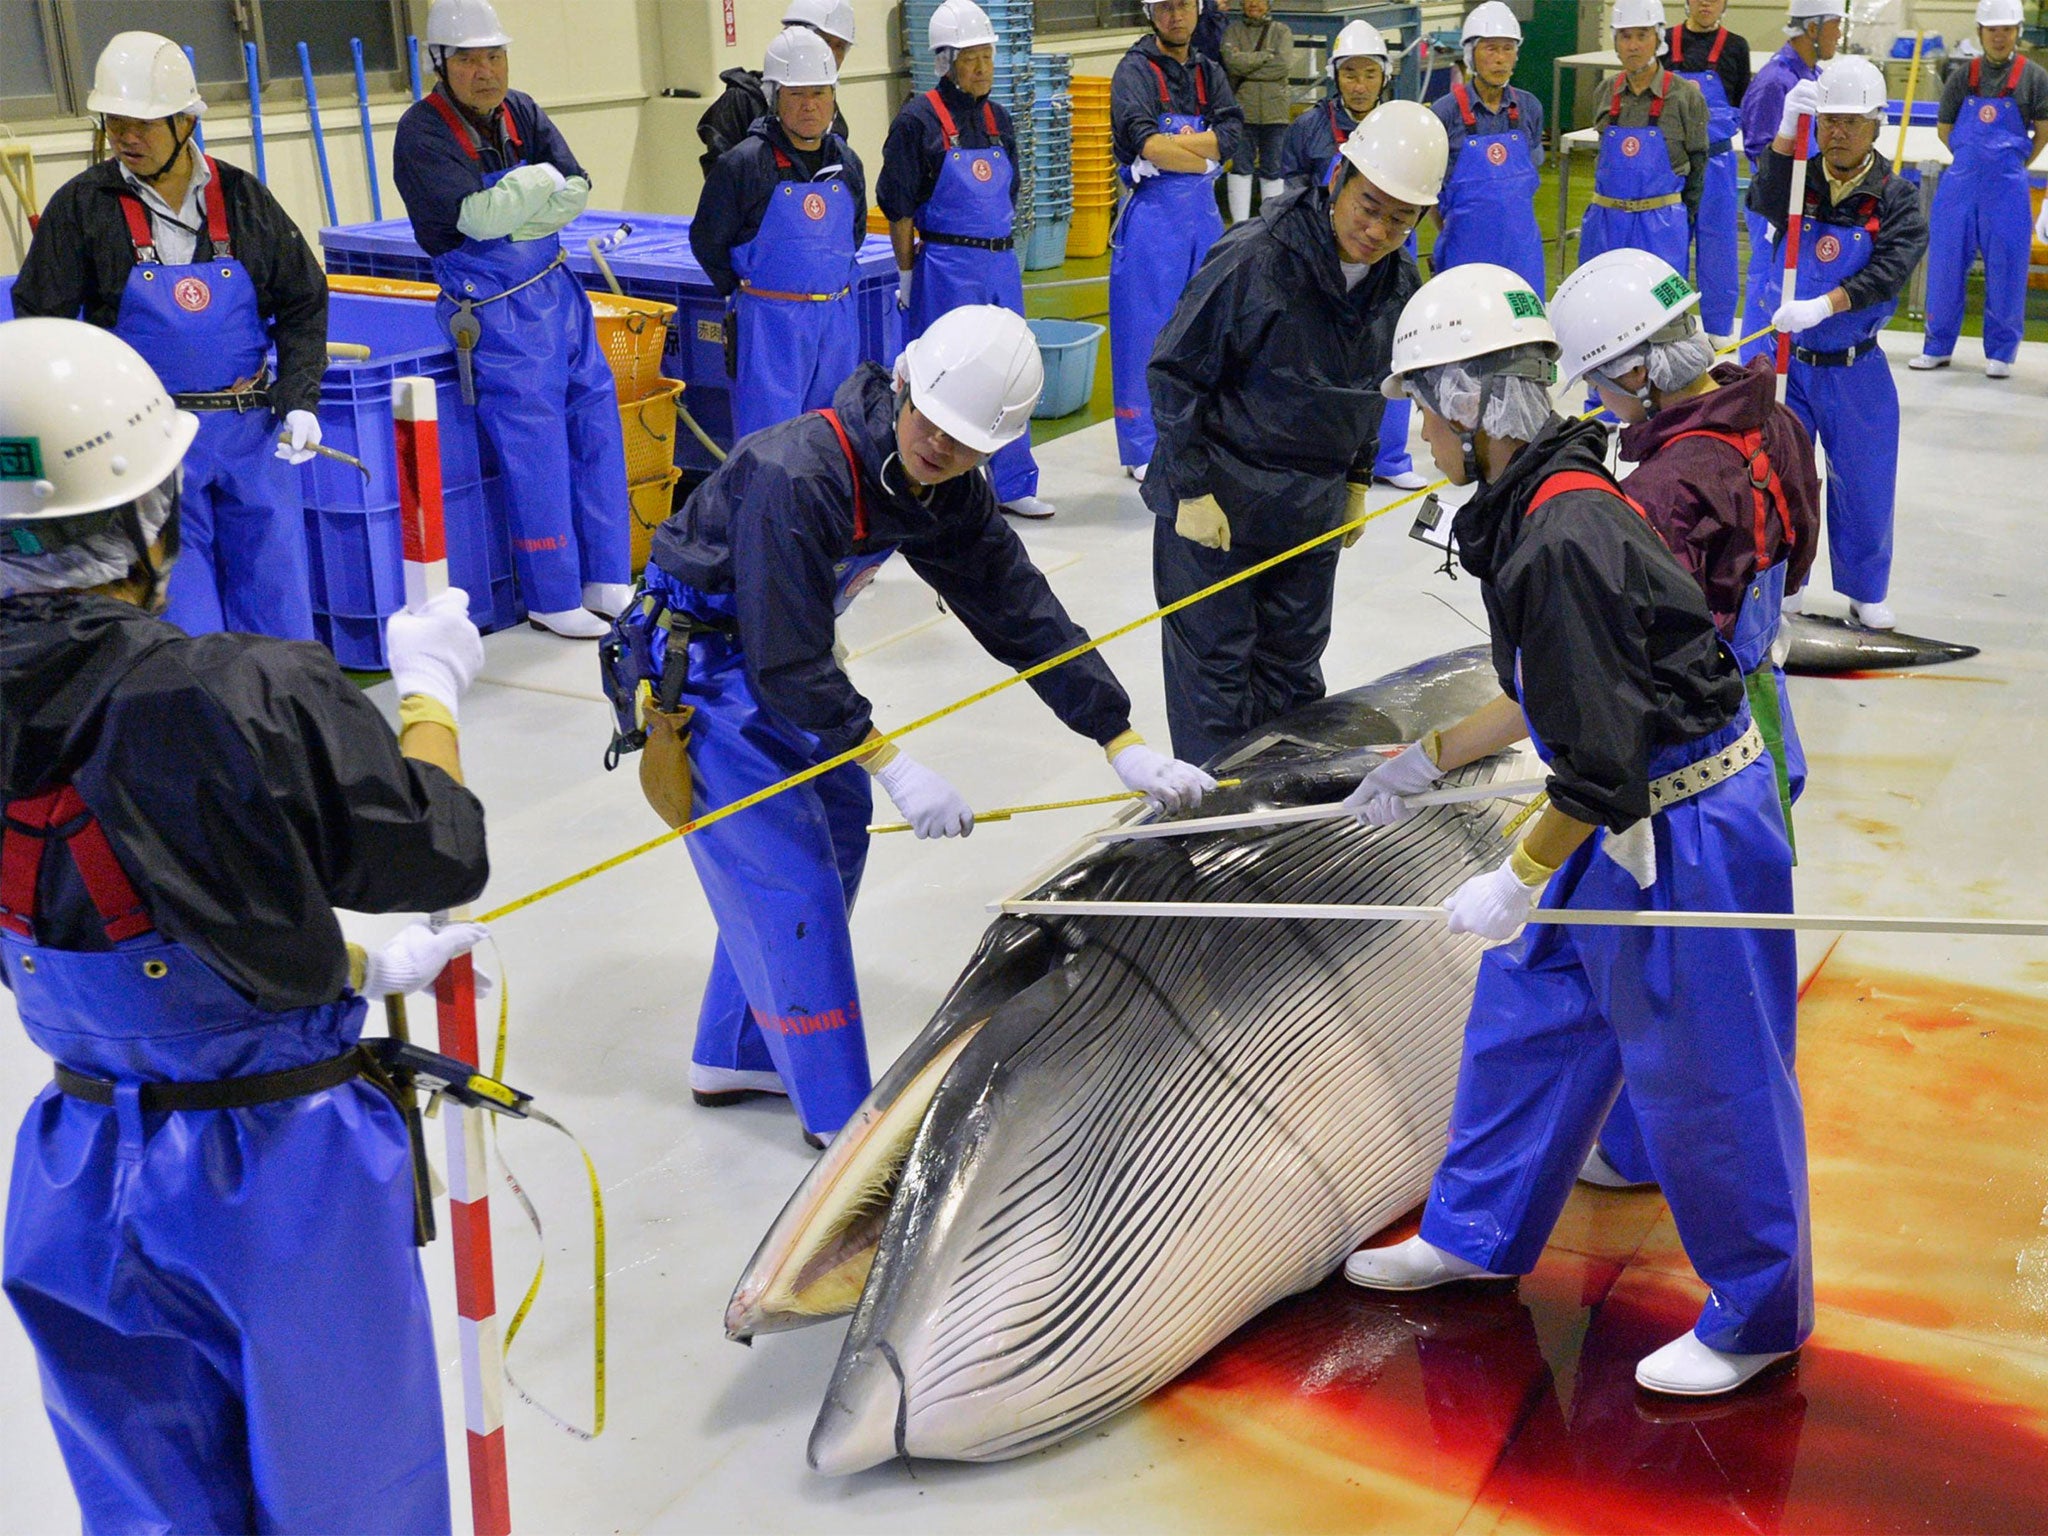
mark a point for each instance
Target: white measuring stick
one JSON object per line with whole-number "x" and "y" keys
{"x": 1463, "y": 795}
{"x": 416, "y": 424}
{"x": 1836, "y": 922}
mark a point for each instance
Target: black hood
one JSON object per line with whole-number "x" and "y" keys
{"x": 1488, "y": 525}
{"x": 61, "y": 655}
{"x": 866, "y": 405}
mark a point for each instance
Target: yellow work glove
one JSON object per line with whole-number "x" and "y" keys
{"x": 1354, "y": 509}
{"x": 1202, "y": 521}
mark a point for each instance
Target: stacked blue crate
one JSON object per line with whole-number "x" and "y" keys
{"x": 1052, "y": 141}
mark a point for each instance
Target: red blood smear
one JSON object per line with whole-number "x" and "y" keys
{"x": 1454, "y": 1389}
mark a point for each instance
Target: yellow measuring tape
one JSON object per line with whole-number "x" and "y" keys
{"x": 818, "y": 770}
{"x": 1006, "y": 812}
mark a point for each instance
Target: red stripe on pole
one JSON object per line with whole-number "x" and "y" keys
{"x": 419, "y": 491}
{"x": 455, "y": 1007}
{"x": 476, "y": 1295}
{"x": 490, "y": 1499}
{"x": 1795, "y": 223}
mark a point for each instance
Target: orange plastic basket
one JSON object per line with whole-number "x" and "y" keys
{"x": 652, "y": 500}
{"x": 649, "y": 428}
{"x": 634, "y": 334}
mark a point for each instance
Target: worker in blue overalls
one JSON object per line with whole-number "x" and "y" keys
{"x": 211, "y": 1215}
{"x": 1994, "y": 119}
{"x": 196, "y": 265}
{"x": 1813, "y": 30}
{"x": 1725, "y": 474}
{"x": 1862, "y": 236}
{"x": 1717, "y": 61}
{"x": 1652, "y": 168}
{"x": 1661, "y": 799}
{"x": 489, "y": 181}
{"x": 750, "y": 576}
{"x": 1173, "y": 126}
{"x": 778, "y": 230}
{"x": 1360, "y": 71}
{"x": 949, "y": 189}
{"x": 1488, "y": 208}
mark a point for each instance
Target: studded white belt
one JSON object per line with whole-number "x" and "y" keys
{"x": 1697, "y": 778}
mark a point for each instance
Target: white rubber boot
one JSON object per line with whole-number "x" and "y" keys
{"x": 1925, "y": 361}
{"x": 1411, "y": 1266}
{"x": 1029, "y": 506}
{"x": 1687, "y": 1368}
{"x": 1876, "y": 615}
{"x": 1137, "y": 471}
{"x": 716, "y": 1087}
{"x": 1271, "y": 187}
{"x": 1239, "y": 190}
{"x": 571, "y": 624}
{"x": 1407, "y": 480}
{"x": 1602, "y": 1174}
{"x": 607, "y": 599}
{"x": 1994, "y": 369}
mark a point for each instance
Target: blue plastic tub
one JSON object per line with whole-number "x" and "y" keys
{"x": 1067, "y": 348}
{"x": 1048, "y": 248}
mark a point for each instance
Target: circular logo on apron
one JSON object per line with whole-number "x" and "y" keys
{"x": 1631, "y": 146}
{"x": 1497, "y": 153}
{"x": 814, "y": 206}
{"x": 192, "y": 295}
{"x": 1987, "y": 113}
{"x": 983, "y": 170}
{"x": 1827, "y": 248}
{"x": 861, "y": 581}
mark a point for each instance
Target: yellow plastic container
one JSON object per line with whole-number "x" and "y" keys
{"x": 652, "y": 500}
{"x": 649, "y": 428}
{"x": 1089, "y": 234}
{"x": 634, "y": 334}
{"x": 382, "y": 287}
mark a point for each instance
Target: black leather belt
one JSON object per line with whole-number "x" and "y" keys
{"x": 972, "y": 242}
{"x": 1835, "y": 359}
{"x": 1719, "y": 147}
{"x": 255, "y": 397}
{"x": 226, "y": 1092}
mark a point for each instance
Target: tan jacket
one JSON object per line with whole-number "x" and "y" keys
{"x": 1258, "y": 57}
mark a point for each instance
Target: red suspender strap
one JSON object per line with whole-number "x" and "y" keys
{"x": 1663, "y": 95}
{"x": 1674, "y": 45}
{"x": 946, "y": 128}
{"x": 860, "y": 501}
{"x": 988, "y": 118}
{"x": 1720, "y": 42}
{"x": 511, "y": 128}
{"x": 1514, "y": 107}
{"x": 139, "y": 232}
{"x": 61, "y": 814}
{"x": 1976, "y": 74}
{"x": 1165, "y": 100}
{"x": 1463, "y": 98}
{"x": 1201, "y": 85}
{"x": 216, "y": 211}
{"x": 1764, "y": 485}
{"x": 1566, "y": 481}
{"x": 782, "y": 161}
{"x": 456, "y": 125}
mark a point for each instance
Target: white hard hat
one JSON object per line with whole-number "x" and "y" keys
{"x": 1492, "y": 19}
{"x": 1851, "y": 86}
{"x": 2000, "y": 13}
{"x": 1401, "y": 148}
{"x": 85, "y": 425}
{"x": 833, "y": 16}
{"x": 1358, "y": 40}
{"x": 1639, "y": 13}
{"x": 798, "y": 56}
{"x": 976, "y": 374}
{"x": 143, "y": 75}
{"x": 1466, "y": 313}
{"x": 1818, "y": 10}
{"x": 1613, "y": 304}
{"x": 465, "y": 24}
{"x": 960, "y": 24}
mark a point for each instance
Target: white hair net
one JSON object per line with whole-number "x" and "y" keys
{"x": 105, "y": 557}
{"x": 1499, "y": 404}
{"x": 1671, "y": 364}
{"x": 943, "y": 59}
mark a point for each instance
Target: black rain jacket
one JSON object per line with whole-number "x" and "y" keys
{"x": 776, "y": 518}
{"x": 248, "y": 789}
{"x": 1265, "y": 384}
{"x": 1597, "y": 629}
{"x": 79, "y": 261}
{"x": 726, "y": 121}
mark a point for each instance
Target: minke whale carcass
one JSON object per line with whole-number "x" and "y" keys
{"x": 1118, "y": 1139}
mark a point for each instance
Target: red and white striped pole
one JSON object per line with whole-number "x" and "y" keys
{"x": 1795, "y": 223}
{"x": 415, "y": 418}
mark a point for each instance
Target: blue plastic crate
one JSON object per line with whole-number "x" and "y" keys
{"x": 6, "y": 298}
{"x": 384, "y": 325}
{"x": 1067, "y": 348}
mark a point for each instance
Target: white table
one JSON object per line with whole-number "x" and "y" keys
{"x": 1600, "y": 58}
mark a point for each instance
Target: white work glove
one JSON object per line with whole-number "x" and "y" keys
{"x": 1796, "y": 315}
{"x": 931, "y": 805}
{"x": 1381, "y": 799}
{"x": 903, "y": 287}
{"x": 1211, "y": 169}
{"x": 1494, "y": 905}
{"x": 1202, "y": 521}
{"x": 1169, "y": 783}
{"x": 1803, "y": 100}
{"x": 302, "y": 436}
{"x": 1141, "y": 168}
{"x": 410, "y": 962}
{"x": 437, "y": 651}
